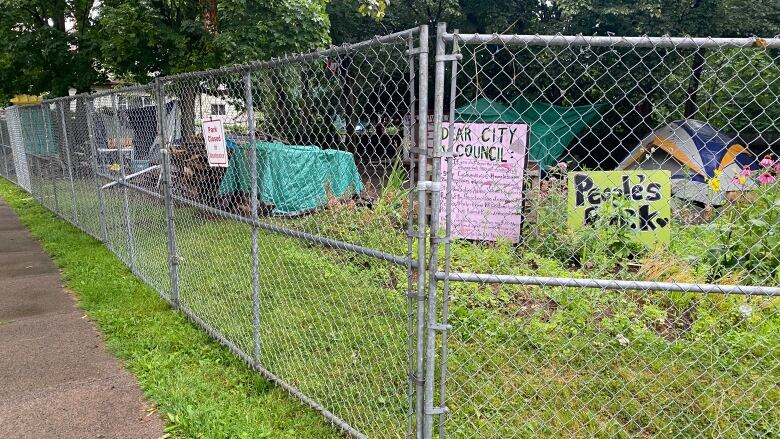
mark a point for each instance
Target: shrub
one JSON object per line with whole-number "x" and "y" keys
{"x": 609, "y": 242}
{"x": 747, "y": 235}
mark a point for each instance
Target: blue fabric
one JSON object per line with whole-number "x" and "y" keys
{"x": 712, "y": 146}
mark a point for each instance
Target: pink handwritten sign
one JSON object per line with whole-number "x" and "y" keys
{"x": 487, "y": 179}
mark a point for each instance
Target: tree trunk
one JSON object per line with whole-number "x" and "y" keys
{"x": 281, "y": 118}
{"x": 349, "y": 103}
{"x": 187, "y": 98}
{"x": 697, "y": 66}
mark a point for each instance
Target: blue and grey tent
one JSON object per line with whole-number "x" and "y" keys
{"x": 692, "y": 151}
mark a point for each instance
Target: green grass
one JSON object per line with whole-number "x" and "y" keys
{"x": 523, "y": 361}
{"x": 197, "y": 386}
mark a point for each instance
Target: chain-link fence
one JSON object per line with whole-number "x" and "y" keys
{"x": 589, "y": 248}
{"x": 636, "y": 302}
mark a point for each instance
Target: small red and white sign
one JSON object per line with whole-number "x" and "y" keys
{"x": 214, "y": 136}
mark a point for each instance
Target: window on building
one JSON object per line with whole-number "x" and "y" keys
{"x": 217, "y": 109}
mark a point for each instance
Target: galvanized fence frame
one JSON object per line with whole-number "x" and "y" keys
{"x": 449, "y": 58}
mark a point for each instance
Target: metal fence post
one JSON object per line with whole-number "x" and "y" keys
{"x": 37, "y": 188}
{"x": 165, "y": 162}
{"x": 422, "y": 203}
{"x": 2, "y": 146}
{"x": 250, "y": 115}
{"x": 413, "y": 52}
{"x": 125, "y": 200}
{"x": 47, "y": 143}
{"x": 433, "y": 186}
{"x": 447, "y": 238}
{"x": 89, "y": 106}
{"x": 68, "y": 163}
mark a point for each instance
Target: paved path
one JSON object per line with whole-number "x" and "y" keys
{"x": 56, "y": 378}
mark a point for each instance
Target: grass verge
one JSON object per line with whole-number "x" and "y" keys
{"x": 198, "y": 386}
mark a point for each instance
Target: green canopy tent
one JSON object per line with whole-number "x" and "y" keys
{"x": 552, "y": 127}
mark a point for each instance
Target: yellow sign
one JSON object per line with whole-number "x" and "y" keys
{"x": 645, "y": 193}
{"x": 26, "y": 100}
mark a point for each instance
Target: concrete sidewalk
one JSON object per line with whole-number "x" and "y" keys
{"x": 56, "y": 377}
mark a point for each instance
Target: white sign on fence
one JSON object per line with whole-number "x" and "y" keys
{"x": 214, "y": 137}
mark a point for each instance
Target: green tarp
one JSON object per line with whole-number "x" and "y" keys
{"x": 552, "y": 127}
{"x": 294, "y": 179}
{"x": 37, "y": 131}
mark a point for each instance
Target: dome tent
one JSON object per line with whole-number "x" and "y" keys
{"x": 693, "y": 151}
{"x": 552, "y": 126}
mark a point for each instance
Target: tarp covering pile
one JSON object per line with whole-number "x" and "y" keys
{"x": 293, "y": 178}
{"x": 552, "y": 126}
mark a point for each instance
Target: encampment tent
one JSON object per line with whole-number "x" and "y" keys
{"x": 552, "y": 126}
{"x": 692, "y": 151}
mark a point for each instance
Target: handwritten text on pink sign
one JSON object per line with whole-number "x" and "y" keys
{"x": 487, "y": 179}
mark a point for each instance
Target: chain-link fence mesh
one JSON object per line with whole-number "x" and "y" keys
{"x": 303, "y": 274}
{"x": 7, "y": 168}
{"x": 532, "y": 124}
{"x": 533, "y": 295}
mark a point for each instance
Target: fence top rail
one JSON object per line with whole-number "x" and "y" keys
{"x": 396, "y": 37}
{"x": 616, "y": 41}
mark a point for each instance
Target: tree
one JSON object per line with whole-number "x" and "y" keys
{"x": 46, "y": 46}
{"x": 353, "y": 20}
{"x": 141, "y": 39}
{"x": 645, "y": 87}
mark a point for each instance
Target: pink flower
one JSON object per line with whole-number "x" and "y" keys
{"x": 777, "y": 166}
{"x": 767, "y": 178}
{"x": 767, "y": 161}
{"x": 739, "y": 180}
{"x": 745, "y": 172}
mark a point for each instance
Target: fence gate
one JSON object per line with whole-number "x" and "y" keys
{"x": 641, "y": 302}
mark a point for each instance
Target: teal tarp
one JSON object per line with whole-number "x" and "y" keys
{"x": 294, "y": 179}
{"x": 552, "y": 127}
{"x": 37, "y": 131}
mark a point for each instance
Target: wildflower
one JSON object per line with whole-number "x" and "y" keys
{"x": 745, "y": 172}
{"x": 563, "y": 166}
{"x": 717, "y": 172}
{"x": 746, "y": 310}
{"x": 777, "y": 166}
{"x": 114, "y": 167}
{"x": 739, "y": 180}
{"x": 622, "y": 340}
{"x": 766, "y": 178}
{"x": 767, "y": 161}
{"x": 714, "y": 183}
